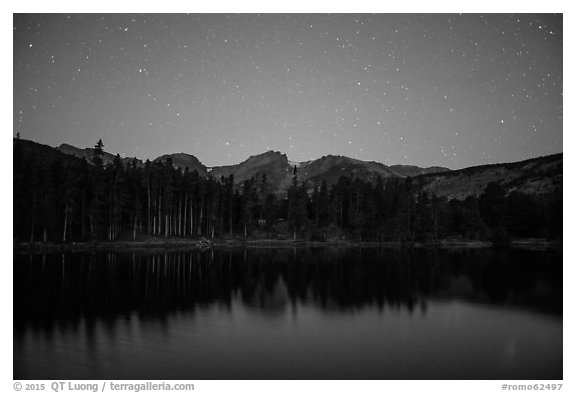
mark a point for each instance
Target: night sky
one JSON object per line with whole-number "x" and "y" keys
{"x": 436, "y": 89}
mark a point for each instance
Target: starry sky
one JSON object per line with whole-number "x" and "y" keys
{"x": 453, "y": 90}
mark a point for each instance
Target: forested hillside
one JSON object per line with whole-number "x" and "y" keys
{"x": 63, "y": 198}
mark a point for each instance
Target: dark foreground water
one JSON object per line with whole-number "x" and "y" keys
{"x": 289, "y": 314}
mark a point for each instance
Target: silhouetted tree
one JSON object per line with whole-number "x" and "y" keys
{"x": 97, "y": 158}
{"x": 297, "y": 205}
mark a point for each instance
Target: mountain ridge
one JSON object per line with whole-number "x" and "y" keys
{"x": 534, "y": 176}
{"x": 276, "y": 165}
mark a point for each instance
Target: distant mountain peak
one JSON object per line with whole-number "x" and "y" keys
{"x": 88, "y": 154}
{"x": 184, "y": 161}
{"x": 272, "y": 152}
{"x": 269, "y": 154}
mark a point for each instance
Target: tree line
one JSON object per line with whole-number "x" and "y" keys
{"x": 59, "y": 198}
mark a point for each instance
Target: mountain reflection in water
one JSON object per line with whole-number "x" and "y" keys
{"x": 118, "y": 296}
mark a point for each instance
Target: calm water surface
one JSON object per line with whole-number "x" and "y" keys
{"x": 314, "y": 313}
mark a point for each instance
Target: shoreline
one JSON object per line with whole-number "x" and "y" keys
{"x": 205, "y": 244}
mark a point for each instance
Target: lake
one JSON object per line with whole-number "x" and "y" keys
{"x": 289, "y": 313}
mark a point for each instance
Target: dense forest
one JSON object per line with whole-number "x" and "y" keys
{"x": 60, "y": 198}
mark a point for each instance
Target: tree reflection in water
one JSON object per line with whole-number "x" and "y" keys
{"x": 57, "y": 291}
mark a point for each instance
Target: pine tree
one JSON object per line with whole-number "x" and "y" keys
{"x": 97, "y": 158}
